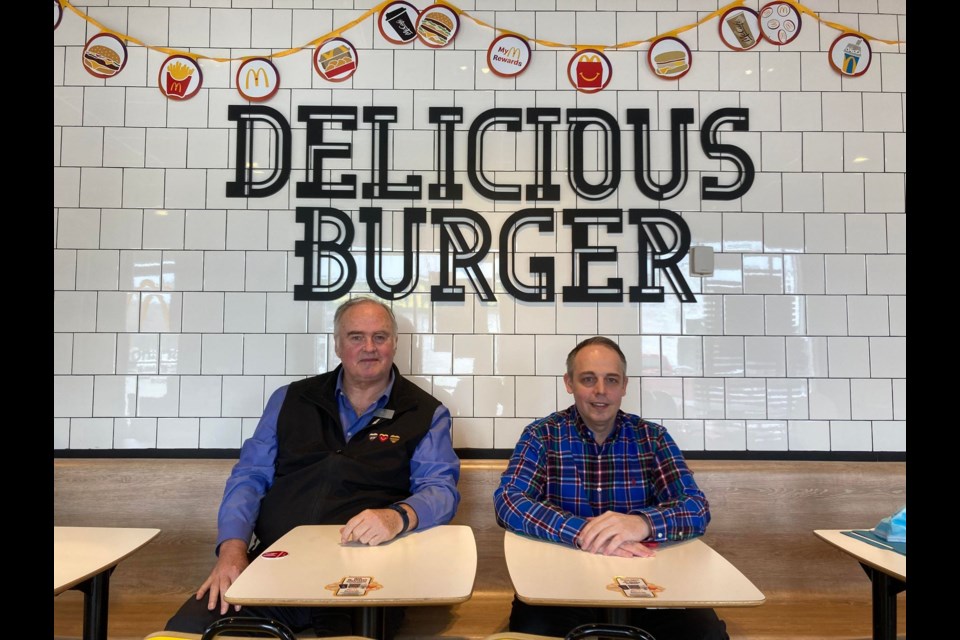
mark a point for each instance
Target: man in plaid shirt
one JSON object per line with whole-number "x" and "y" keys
{"x": 604, "y": 481}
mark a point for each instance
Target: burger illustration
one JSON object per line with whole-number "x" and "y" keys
{"x": 102, "y": 61}
{"x": 435, "y": 28}
{"x": 670, "y": 63}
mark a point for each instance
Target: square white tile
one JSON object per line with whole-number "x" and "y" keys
{"x": 494, "y": 396}
{"x": 178, "y": 433}
{"x": 157, "y": 396}
{"x": 242, "y": 396}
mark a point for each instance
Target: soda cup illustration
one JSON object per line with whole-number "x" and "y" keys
{"x": 851, "y": 56}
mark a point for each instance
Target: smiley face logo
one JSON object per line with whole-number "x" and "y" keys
{"x": 589, "y": 71}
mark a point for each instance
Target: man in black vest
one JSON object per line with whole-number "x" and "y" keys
{"x": 317, "y": 457}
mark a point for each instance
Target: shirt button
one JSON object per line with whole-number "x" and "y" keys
{"x": 659, "y": 535}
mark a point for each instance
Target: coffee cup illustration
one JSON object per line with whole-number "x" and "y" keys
{"x": 399, "y": 19}
{"x": 741, "y": 30}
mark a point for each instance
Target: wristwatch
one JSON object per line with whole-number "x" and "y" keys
{"x": 404, "y": 516}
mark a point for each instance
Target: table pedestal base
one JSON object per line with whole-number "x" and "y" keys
{"x": 372, "y": 621}
{"x": 885, "y": 589}
{"x": 96, "y": 600}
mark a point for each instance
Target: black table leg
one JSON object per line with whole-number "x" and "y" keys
{"x": 616, "y": 615}
{"x": 372, "y": 622}
{"x": 96, "y": 600}
{"x": 885, "y": 589}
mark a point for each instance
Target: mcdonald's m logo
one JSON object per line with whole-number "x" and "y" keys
{"x": 256, "y": 78}
{"x": 512, "y": 52}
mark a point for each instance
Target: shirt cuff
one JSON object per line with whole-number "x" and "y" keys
{"x": 570, "y": 529}
{"x": 658, "y": 524}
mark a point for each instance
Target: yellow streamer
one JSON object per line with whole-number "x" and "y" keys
{"x": 546, "y": 43}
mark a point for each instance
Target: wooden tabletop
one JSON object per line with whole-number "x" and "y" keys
{"x": 889, "y": 562}
{"x": 690, "y": 573}
{"x": 429, "y": 567}
{"x": 82, "y": 552}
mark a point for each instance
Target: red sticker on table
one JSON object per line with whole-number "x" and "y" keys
{"x": 273, "y": 554}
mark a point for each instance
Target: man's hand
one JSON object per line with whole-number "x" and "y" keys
{"x": 231, "y": 562}
{"x": 373, "y": 526}
{"x": 616, "y": 534}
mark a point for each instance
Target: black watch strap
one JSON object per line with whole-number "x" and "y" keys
{"x": 404, "y": 516}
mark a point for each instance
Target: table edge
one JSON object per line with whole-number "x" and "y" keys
{"x": 71, "y": 584}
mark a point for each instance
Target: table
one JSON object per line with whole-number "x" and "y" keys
{"x": 690, "y": 572}
{"x": 430, "y": 567}
{"x": 887, "y": 571}
{"x": 84, "y": 558}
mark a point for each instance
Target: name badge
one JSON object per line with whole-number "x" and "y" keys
{"x": 386, "y": 414}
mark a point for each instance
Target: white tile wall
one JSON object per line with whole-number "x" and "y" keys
{"x": 174, "y": 315}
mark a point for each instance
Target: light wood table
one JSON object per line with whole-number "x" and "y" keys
{"x": 690, "y": 573}
{"x": 84, "y": 558}
{"x": 887, "y": 571}
{"x": 430, "y": 567}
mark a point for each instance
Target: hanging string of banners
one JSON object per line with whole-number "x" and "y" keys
{"x": 589, "y": 70}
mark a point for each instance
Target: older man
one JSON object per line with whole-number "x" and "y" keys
{"x": 604, "y": 481}
{"x": 314, "y": 459}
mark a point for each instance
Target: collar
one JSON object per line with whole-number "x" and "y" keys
{"x": 381, "y": 401}
{"x": 585, "y": 432}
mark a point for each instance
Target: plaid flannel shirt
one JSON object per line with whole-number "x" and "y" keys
{"x": 558, "y": 476}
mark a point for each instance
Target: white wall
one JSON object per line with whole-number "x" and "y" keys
{"x": 174, "y": 316}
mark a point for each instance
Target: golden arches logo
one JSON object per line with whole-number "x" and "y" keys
{"x": 256, "y": 78}
{"x": 512, "y": 52}
{"x": 590, "y": 58}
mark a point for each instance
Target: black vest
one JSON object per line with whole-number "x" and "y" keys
{"x": 322, "y": 479}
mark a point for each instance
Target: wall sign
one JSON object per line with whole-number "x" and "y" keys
{"x": 437, "y": 26}
{"x": 398, "y": 22}
{"x": 335, "y": 60}
{"x": 670, "y": 58}
{"x": 850, "y": 54}
{"x": 779, "y": 23}
{"x": 589, "y": 71}
{"x": 104, "y": 55}
{"x": 740, "y": 28}
{"x": 465, "y": 236}
{"x": 508, "y": 55}
{"x": 180, "y": 78}
{"x": 257, "y": 79}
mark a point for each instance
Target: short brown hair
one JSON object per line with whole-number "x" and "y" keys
{"x": 596, "y": 341}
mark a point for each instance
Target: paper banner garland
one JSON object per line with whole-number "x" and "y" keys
{"x": 104, "y": 55}
{"x": 670, "y": 58}
{"x": 589, "y": 71}
{"x": 335, "y": 60}
{"x": 508, "y": 55}
{"x": 740, "y": 28}
{"x": 180, "y": 78}
{"x": 257, "y": 79}
{"x": 398, "y": 22}
{"x": 850, "y": 54}
{"x": 437, "y": 26}
{"x": 779, "y": 23}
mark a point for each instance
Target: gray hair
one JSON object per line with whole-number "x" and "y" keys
{"x": 353, "y": 302}
{"x": 596, "y": 341}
